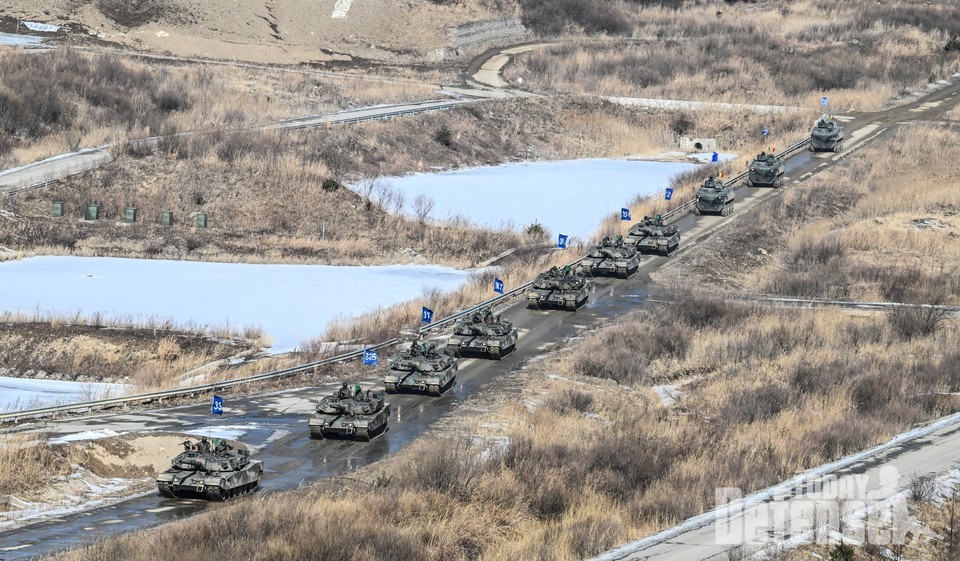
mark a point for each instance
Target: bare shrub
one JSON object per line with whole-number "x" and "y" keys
{"x": 569, "y": 401}
{"x": 923, "y": 488}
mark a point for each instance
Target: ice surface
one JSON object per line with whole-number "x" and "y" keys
{"x": 292, "y": 303}
{"x": 23, "y": 393}
{"x": 567, "y": 197}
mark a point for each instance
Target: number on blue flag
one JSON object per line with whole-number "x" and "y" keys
{"x": 669, "y": 194}
{"x": 823, "y": 101}
{"x": 715, "y": 157}
{"x": 498, "y": 286}
{"x": 370, "y": 356}
{"x": 216, "y": 408}
{"x": 624, "y": 214}
{"x": 426, "y": 315}
{"x": 562, "y": 241}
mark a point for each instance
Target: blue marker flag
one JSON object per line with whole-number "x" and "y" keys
{"x": 562, "y": 241}
{"x": 369, "y": 356}
{"x": 823, "y": 101}
{"x": 669, "y": 193}
{"x": 498, "y": 286}
{"x": 625, "y": 214}
{"x": 765, "y": 131}
{"x": 426, "y": 315}
{"x": 216, "y": 408}
{"x": 715, "y": 157}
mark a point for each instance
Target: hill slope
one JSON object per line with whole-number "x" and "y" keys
{"x": 288, "y": 31}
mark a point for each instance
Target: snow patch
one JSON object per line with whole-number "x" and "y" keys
{"x": 229, "y": 432}
{"x": 86, "y": 435}
{"x": 669, "y": 395}
{"x": 341, "y": 8}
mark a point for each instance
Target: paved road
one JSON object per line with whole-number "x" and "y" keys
{"x": 697, "y": 539}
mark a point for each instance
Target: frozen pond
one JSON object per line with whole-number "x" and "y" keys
{"x": 567, "y": 197}
{"x": 292, "y": 303}
{"x": 20, "y": 393}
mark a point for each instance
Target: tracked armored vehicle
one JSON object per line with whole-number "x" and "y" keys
{"x": 483, "y": 334}
{"x": 350, "y": 414}
{"x": 714, "y": 197}
{"x": 421, "y": 369}
{"x": 558, "y": 288}
{"x": 612, "y": 257}
{"x": 213, "y": 472}
{"x": 653, "y": 236}
{"x": 766, "y": 170}
{"x": 826, "y": 135}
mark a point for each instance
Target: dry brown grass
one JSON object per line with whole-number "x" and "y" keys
{"x": 880, "y": 226}
{"x": 859, "y": 53}
{"x": 27, "y": 465}
{"x": 163, "y": 97}
{"x": 565, "y": 464}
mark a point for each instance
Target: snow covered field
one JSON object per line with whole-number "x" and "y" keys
{"x": 567, "y": 197}
{"x": 291, "y": 303}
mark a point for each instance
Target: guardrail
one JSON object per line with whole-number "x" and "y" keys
{"x": 296, "y": 123}
{"x": 17, "y": 416}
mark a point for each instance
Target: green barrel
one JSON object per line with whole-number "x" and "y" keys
{"x": 57, "y": 209}
{"x": 130, "y": 215}
{"x": 201, "y": 220}
{"x": 93, "y": 212}
{"x": 166, "y": 218}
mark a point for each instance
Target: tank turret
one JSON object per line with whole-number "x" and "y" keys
{"x": 485, "y": 334}
{"x": 558, "y": 288}
{"x": 351, "y": 413}
{"x": 421, "y": 368}
{"x": 214, "y": 470}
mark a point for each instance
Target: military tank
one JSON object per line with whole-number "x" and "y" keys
{"x": 421, "y": 369}
{"x": 558, "y": 288}
{"x": 651, "y": 235}
{"x": 205, "y": 470}
{"x": 714, "y": 197}
{"x": 826, "y": 135}
{"x": 483, "y": 334}
{"x": 766, "y": 170}
{"x": 612, "y": 257}
{"x": 350, "y": 414}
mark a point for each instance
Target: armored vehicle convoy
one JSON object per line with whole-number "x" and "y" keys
{"x": 826, "y": 135}
{"x": 714, "y": 197}
{"x": 350, "y": 414}
{"x": 483, "y": 334}
{"x": 421, "y": 369}
{"x": 558, "y": 288}
{"x": 611, "y": 257}
{"x": 766, "y": 170}
{"x": 653, "y": 236}
{"x": 213, "y": 472}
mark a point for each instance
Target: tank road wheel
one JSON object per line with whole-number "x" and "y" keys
{"x": 495, "y": 354}
{"x": 390, "y": 387}
{"x": 778, "y": 183}
{"x": 434, "y": 391}
{"x": 363, "y": 434}
{"x": 316, "y": 433}
{"x": 533, "y": 304}
{"x": 215, "y": 494}
{"x": 167, "y": 491}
